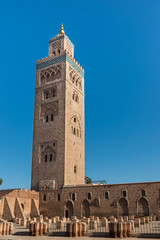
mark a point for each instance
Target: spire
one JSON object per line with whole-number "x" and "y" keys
{"x": 62, "y": 30}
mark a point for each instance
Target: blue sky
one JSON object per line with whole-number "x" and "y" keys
{"x": 118, "y": 44}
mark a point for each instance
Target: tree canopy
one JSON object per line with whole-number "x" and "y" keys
{"x": 1, "y": 181}
{"x": 88, "y": 180}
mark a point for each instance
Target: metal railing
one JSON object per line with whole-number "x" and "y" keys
{"x": 148, "y": 228}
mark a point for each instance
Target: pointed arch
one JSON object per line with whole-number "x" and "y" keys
{"x": 58, "y": 74}
{"x": 142, "y": 207}
{"x": 75, "y": 125}
{"x": 123, "y": 207}
{"x": 52, "y": 76}
{"x": 85, "y": 208}
{"x": 69, "y": 209}
{"x": 47, "y": 77}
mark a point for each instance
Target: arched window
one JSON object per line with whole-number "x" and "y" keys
{"x": 58, "y": 74}
{"x": 52, "y": 117}
{"x": 75, "y": 169}
{"x": 76, "y": 98}
{"x": 48, "y": 77}
{"x": 89, "y": 196}
{"x": 59, "y": 197}
{"x": 124, "y": 193}
{"x": 106, "y": 196}
{"x": 54, "y": 53}
{"x": 74, "y": 119}
{"x": 46, "y": 95}
{"x": 143, "y": 193}
{"x": 44, "y": 197}
{"x": 73, "y": 196}
{"x": 53, "y": 93}
{"x": 73, "y": 96}
{"x": 58, "y": 51}
{"x": 53, "y": 76}
{"x": 45, "y": 158}
{"x": 74, "y": 131}
{"x": 50, "y": 157}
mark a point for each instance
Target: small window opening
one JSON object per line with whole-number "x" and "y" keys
{"x": 124, "y": 193}
{"x": 75, "y": 169}
{"x": 45, "y": 158}
{"x": 44, "y": 197}
{"x": 52, "y": 117}
{"x": 74, "y": 131}
{"x": 54, "y": 93}
{"x": 47, "y": 95}
{"x": 22, "y": 205}
{"x": 106, "y": 195}
{"x": 73, "y": 196}
{"x": 89, "y": 196}
{"x": 143, "y": 193}
{"x": 58, "y": 51}
{"x": 59, "y": 197}
{"x": 46, "y": 118}
{"x": 74, "y": 119}
{"x": 50, "y": 157}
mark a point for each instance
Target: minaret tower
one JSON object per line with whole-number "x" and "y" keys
{"x": 58, "y": 137}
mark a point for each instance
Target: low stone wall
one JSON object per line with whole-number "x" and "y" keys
{"x": 38, "y": 229}
{"x": 76, "y": 229}
{"x": 6, "y": 228}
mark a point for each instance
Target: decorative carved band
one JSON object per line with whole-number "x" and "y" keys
{"x": 50, "y": 74}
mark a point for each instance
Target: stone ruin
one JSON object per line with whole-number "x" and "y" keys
{"x": 117, "y": 227}
{"x": 6, "y": 228}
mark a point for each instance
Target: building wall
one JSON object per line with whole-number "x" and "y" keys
{"x": 98, "y": 205}
{"x": 74, "y": 121}
{"x": 19, "y": 203}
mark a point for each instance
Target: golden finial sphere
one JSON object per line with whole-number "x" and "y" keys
{"x": 62, "y": 29}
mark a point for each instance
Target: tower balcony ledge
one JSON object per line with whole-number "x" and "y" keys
{"x": 62, "y": 53}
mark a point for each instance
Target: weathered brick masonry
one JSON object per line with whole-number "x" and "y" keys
{"x": 18, "y": 203}
{"x": 137, "y": 199}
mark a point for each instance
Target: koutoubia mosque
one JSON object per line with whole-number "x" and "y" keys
{"x": 58, "y": 161}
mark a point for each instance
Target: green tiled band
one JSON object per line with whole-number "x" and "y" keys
{"x": 75, "y": 66}
{"x": 50, "y": 62}
{"x": 59, "y": 59}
